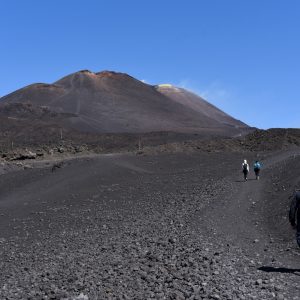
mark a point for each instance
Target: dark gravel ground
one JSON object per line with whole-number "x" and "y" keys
{"x": 179, "y": 226}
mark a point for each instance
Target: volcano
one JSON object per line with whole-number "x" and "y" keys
{"x": 111, "y": 102}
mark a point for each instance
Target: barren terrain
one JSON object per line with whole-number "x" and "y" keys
{"x": 111, "y": 188}
{"x": 155, "y": 226}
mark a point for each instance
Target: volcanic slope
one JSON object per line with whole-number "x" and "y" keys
{"x": 110, "y": 102}
{"x": 198, "y": 104}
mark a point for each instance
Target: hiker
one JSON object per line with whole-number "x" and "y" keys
{"x": 257, "y": 167}
{"x": 245, "y": 169}
{"x": 295, "y": 210}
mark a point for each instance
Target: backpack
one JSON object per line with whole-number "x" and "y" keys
{"x": 245, "y": 167}
{"x": 257, "y": 166}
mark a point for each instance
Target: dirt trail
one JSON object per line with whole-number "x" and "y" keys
{"x": 241, "y": 218}
{"x": 237, "y": 216}
{"x": 241, "y": 223}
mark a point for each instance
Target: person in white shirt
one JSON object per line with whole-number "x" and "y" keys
{"x": 245, "y": 169}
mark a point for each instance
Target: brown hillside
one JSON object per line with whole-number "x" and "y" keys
{"x": 110, "y": 102}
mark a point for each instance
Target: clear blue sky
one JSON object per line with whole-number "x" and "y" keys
{"x": 241, "y": 55}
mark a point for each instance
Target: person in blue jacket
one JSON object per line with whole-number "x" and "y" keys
{"x": 257, "y": 167}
